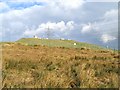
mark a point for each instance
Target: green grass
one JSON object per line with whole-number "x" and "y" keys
{"x": 57, "y": 43}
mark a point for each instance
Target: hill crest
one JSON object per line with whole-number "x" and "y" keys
{"x": 57, "y": 43}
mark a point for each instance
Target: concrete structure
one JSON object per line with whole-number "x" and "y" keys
{"x": 75, "y": 44}
{"x": 35, "y": 36}
{"x": 62, "y": 39}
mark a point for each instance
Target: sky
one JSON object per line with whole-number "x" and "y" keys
{"x": 90, "y": 21}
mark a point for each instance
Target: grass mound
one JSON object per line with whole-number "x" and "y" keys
{"x": 37, "y": 66}
{"x": 57, "y": 43}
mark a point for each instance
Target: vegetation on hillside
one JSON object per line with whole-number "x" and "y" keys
{"x": 57, "y": 43}
{"x": 40, "y": 66}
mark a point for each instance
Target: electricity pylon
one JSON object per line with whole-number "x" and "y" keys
{"x": 49, "y": 32}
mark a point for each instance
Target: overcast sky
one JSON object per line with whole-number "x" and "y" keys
{"x": 91, "y": 22}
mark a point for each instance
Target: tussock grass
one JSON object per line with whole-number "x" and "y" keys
{"x": 33, "y": 66}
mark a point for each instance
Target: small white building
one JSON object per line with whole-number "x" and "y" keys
{"x": 62, "y": 39}
{"x": 107, "y": 47}
{"x": 75, "y": 44}
{"x": 35, "y": 36}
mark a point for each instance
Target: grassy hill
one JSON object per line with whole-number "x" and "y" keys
{"x": 42, "y": 63}
{"x": 57, "y": 43}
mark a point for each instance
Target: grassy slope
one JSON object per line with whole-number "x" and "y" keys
{"x": 33, "y": 64}
{"x": 57, "y": 43}
{"x": 42, "y": 66}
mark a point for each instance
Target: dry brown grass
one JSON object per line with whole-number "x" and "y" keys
{"x": 52, "y": 67}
